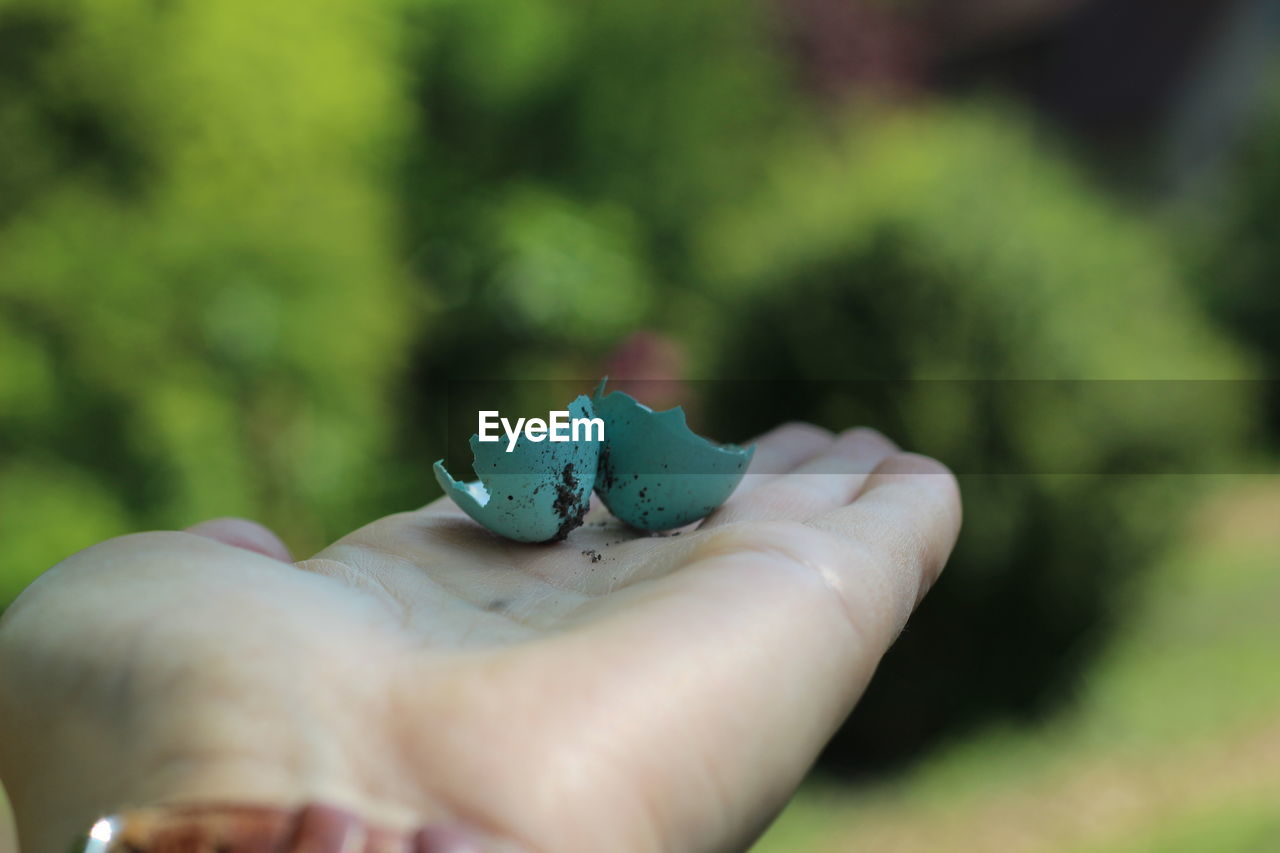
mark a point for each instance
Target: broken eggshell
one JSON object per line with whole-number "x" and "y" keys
{"x": 656, "y": 473}
{"x": 536, "y": 493}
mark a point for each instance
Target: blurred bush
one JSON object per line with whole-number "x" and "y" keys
{"x": 243, "y": 247}
{"x": 233, "y": 237}
{"x": 563, "y": 159}
{"x": 201, "y": 310}
{"x": 944, "y": 255}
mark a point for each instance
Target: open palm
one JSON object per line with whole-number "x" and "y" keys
{"x": 615, "y": 691}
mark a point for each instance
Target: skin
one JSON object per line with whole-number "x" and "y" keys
{"x": 669, "y": 696}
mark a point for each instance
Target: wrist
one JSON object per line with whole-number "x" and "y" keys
{"x": 55, "y": 801}
{"x": 151, "y": 699}
{"x": 230, "y": 828}
{"x": 241, "y": 829}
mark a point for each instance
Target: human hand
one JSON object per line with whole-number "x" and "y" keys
{"x": 668, "y": 694}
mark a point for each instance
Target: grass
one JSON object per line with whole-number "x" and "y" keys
{"x": 1243, "y": 827}
{"x": 1173, "y": 745}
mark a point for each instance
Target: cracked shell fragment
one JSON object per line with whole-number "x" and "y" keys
{"x": 656, "y": 473}
{"x": 536, "y": 493}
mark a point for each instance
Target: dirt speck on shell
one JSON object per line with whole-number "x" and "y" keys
{"x": 606, "y": 469}
{"x": 567, "y": 505}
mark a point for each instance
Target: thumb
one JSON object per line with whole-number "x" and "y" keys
{"x": 243, "y": 533}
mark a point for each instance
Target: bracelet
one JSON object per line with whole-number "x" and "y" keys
{"x": 251, "y": 829}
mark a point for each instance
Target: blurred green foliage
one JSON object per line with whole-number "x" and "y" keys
{"x": 201, "y": 304}
{"x": 564, "y": 160}
{"x": 243, "y": 244}
{"x": 946, "y": 249}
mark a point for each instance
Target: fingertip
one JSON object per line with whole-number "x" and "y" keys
{"x": 867, "y": 437}
{"x": 914, "y": 465}
{"x": 246, "y": 534}
{"x": 797, "y": 433}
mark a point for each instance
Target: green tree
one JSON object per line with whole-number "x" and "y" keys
{"x": 201, "y": 307}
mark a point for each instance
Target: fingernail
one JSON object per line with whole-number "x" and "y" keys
{"x": 449, "y": 838}
{"x": 325, "y": 829}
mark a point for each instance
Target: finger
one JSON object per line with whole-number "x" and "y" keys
{"x": 908, "y": 515}
{"x": 828, "y": 480}
{"x": 781, "y": 449}
{"x": 757, "y": 650}
{"x": 246, "y": 534}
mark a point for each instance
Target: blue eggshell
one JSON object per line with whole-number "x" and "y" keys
{"x": 656, "y": 473}
{"x": 536, "y": 493}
